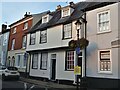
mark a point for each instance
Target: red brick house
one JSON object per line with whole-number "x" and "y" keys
{"x": 17, "y": 42}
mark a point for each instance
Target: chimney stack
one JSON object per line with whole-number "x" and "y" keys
{"x": 58, "y": 7}
{"x": 4, "y": 27}
{"x": 71, "y": 4}
{"x": 27, "y": 14}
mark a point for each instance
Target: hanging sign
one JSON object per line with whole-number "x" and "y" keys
{"x": 77, "y": 50}
{"x": 77, "y": 70}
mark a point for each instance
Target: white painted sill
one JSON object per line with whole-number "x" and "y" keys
{"x": 104, "y": 32}
{"x": 105, "y": 72}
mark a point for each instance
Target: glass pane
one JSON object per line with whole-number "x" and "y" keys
{"x": 70, "y": 60}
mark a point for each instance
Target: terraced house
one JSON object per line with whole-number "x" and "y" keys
{"x": 4, "y": 37}
{"x": 17, "y": 42}
{"x": 52, "y": 59}
{"x": 17, "y": 55}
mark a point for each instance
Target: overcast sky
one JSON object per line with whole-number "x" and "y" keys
{"x": 13, "y": 10}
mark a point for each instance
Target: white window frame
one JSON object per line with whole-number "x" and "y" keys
{"x": 44, "y": 61}
{"x": 33, "y": 58}
{"x": 67, "y": 30}
{"x": 14, "y": 30}
{"x": 13, "y": 44}
{"x": 25, "y": 26}
{"x": 63, "y": 11}
{"x": 43, "y": 37}
{"x": 32, "y": 39}
{"x": 98, "y": 23}
{"x": 24, "y": 42}
{"x": 66, "y": 61}
{"x": 21, "y": 62}
{"x": 106, "y": 72}
{"x": 43, "y": 19}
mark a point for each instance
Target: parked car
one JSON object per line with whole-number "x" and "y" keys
{"x": 9, "y": 72}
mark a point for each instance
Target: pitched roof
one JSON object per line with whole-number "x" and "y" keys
{"x": 29, "y": 16}
{"x": 79, "y": 9}
{"x": 33, "y": 28}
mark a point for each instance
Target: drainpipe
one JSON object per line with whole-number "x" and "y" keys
{"x": 85, "y": 38}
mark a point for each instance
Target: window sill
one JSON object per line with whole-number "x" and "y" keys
{"x": 34, "y": 68}
{"x": 69, "y": 70}
{"x": 42, "y": 69}
{"x": 105, "y": 72}
{"x": 31, "y": 44}
{"x": 103, "y": 32}
{"x": 42, "y": 42}
{"x": 66, "y": 38}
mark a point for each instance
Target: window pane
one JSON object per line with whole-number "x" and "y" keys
{"x": 13, "y": 44}
{"x": 105, "y": 61}
{"x": 45, "y": 19}
{"x": 103, "y": 21}
{"x": 43, "y": 36}
{"x": 35, "y": 61}
{"x": 14, "y": 30}
{"x": 65, "y": 12}
{"x": 24, "y": 42}
{"x": 25, "y": 25}
{"x": 18, "y": 64}
{"x": 70, "y": 60}
{"x": 44, "y": 58}
{"x": 32, "y": 39}
{"x": 67, "y": 31}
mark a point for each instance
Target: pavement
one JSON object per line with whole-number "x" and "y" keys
{"x": 48, "y": 84}
{"x": 52, "y": 85}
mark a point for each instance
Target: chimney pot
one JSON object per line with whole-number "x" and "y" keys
{"x": 71, "y": 4}
{"x": 26, "y": 14}
{"x": 58, "y": 7}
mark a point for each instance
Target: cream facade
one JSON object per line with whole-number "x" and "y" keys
{"x": 55, "y": 45}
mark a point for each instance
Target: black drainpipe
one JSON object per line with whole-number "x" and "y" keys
{"x": 85, "y": 47}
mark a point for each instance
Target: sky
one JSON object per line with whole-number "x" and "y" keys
{"x": 13, "y": 10}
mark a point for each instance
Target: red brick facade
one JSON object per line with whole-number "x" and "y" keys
{"x": 20, "y": 32}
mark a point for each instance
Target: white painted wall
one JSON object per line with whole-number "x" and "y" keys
{"x": 54, "y": 38}
{"x": 101, "y": 41}
{"x": 61, "y": 74}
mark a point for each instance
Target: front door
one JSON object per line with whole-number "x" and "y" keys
{"x": 53, "y": 66}
{"x": 80, "y": 59}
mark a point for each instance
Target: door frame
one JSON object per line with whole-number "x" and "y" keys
{"x": 51, "y": 65}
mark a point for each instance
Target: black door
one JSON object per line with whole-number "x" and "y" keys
{"x": 53, "y": 69}
{"x": 80, "y": 62}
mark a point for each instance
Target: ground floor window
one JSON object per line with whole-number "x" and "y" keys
{"x": 69, "y": 62}
{"x": 35, "y": 61}
{"x": 104, "y": 60}
{"x": 20, "y": 61}
{"x": 44, "y": 59}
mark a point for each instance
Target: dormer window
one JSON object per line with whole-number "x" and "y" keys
{"x": 46, "y": 18}
{"x": 66, "y": 11}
